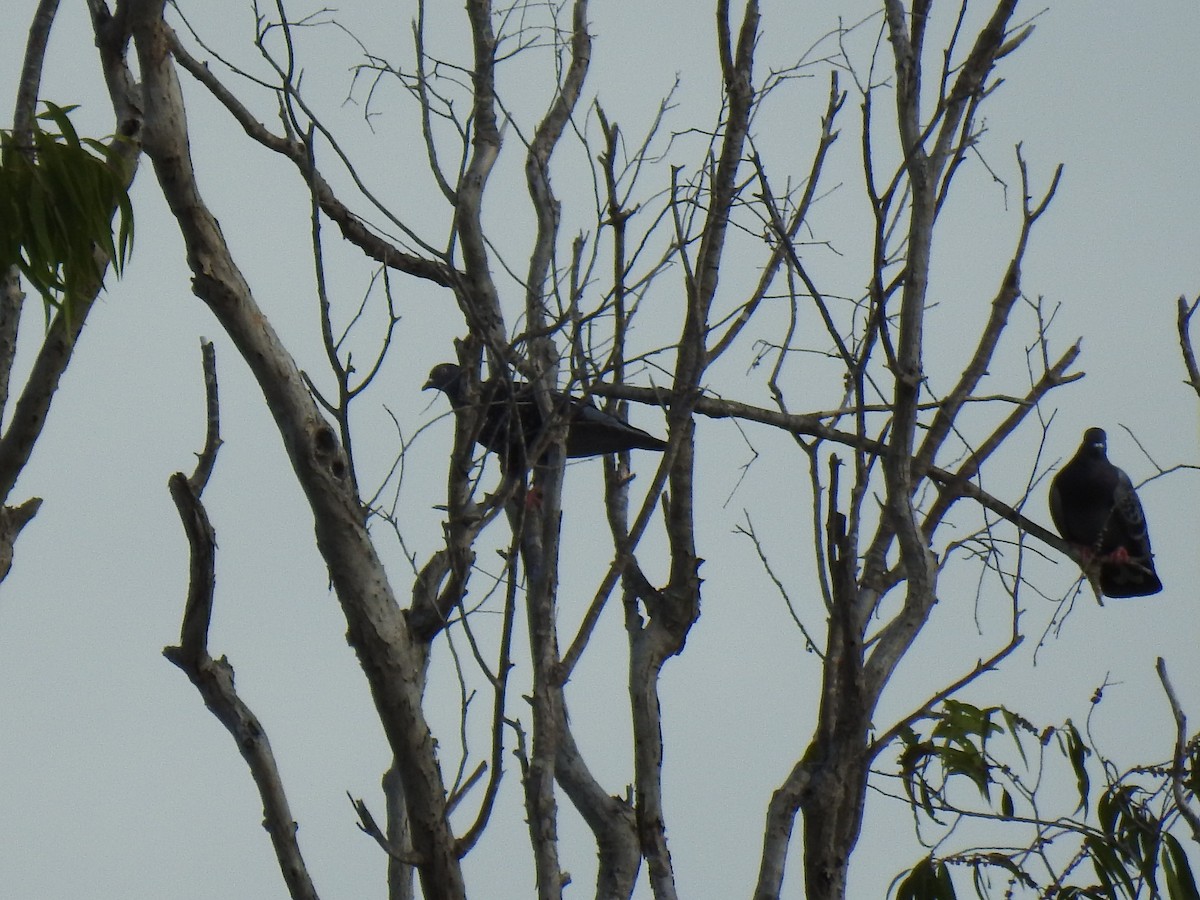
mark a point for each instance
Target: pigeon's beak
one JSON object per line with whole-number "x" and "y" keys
{"x": 428, "y": 384}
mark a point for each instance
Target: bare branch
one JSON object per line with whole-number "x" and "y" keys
{"x": 214, "y": 678}
{"x": 1179, "y": 767}
{"x": 477, "y": 292}
{"x": 785, "y": 233}
{"x": 1002, "y": 304}
{"x": 30, "y": 83}
{"x": 212, "y": 434}
{"x": 1183, "y": 324}
{"x": 423, "y": 95}
{"x": 12, "y": 520}
{"x": 352, "y": 227}
{"x": 366, "y": 824}
{"x": 982, "y": 667}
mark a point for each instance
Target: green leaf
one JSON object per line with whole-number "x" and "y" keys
{"x": 1006, "y": 803}
{"x": 1108, "y": 865}
{"x": 962, "y": 723}
{"x": 60, "y": 115}
{"x": 999, "y": 860}
{"x": 1077, "y": 752}
{"x": 927, "y": 880}
{"x": 968, "y": 761}
{"x": 1015, "y": 725}
{"x": 1181, "y": 885}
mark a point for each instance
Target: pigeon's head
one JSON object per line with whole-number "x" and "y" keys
{"x": 445, "y": 377}
{"x": 1095, "y": 442}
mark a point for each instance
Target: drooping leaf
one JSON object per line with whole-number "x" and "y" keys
{"x": 968, "y": 761}
{"x": 1181, "y": 885}
{"x": 1109, "y": 868}
{"x": 1006, "y": 803}
{"x": 927, "y": 880}
{"x": 1015, "y": 726}
{"x": 1077, "y": 752}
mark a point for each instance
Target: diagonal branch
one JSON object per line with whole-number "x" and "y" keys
{"x": 784, "y": 234}
{"x": 13, "y": 520}
{"x": 1179, "y": 757}
{"x": 1183, "y": 324}
{"x": 813, "y": 426}
{"x": 353, "y": 228}
{"x": 214, "y": 678}
{"x": 989, "y": 339}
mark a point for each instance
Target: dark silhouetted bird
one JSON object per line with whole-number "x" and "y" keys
{"x": 590, "y": 431}
{"x": 1095, "y": 509}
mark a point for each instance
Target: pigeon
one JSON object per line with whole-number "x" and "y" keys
{"x": 590, "y": 431}
{"x": 1095, "y": 509}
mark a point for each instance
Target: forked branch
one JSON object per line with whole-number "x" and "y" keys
{"x": 214, "y": 678}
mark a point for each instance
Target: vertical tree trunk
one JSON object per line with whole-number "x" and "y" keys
{"x": 399, "y": 874}
{"x": 645, "y": 663}
{"x": 836, "y": 764}
{"x": 539, "y": 542}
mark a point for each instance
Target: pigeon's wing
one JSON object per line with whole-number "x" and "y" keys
{"x": 1127, "y": 535}
{"x": 1128, "y": 519}
{"x": 593, "y": 432}
{"x": 1057, "y": 512}
{"x": 513, "y": 422}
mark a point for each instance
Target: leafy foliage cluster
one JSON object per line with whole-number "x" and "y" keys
{"x": 58, "y": 194}
{"x": 1127, "y": 843}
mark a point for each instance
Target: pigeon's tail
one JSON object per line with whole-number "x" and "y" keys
{"x": 590, "y": 438}
{"x": 640, "y": 440}
{"x": 1130, "y": 579}
{"x": 593, "y": 432}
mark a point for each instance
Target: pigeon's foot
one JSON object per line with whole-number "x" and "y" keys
{"x": 1118, "y": 557}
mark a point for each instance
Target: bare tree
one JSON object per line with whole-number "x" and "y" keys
{"x": 896, "y": 440}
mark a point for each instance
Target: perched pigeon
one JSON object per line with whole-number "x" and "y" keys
{"x": 1095, "y": 509}
{"x": 590, "y": 432}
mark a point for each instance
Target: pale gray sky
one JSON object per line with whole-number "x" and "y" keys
{"x": 114, "y": 779}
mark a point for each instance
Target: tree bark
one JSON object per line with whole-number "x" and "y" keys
{"x": 393, "y": 661}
